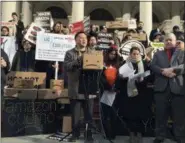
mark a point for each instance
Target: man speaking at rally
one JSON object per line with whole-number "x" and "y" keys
{"x": 73, "y": 65}
{"x": 168, "y": 67}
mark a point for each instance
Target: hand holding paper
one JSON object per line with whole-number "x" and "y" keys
{"x": 140, "y": 75}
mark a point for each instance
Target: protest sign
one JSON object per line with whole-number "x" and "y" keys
{"x": 104, "y": 40}
{"x": 117, "y": 24}
{"x": 124, "y": 50}
{"x": 38, "y": 77}
{"x": 132, "y": 24}
{"x": 77, "y": 27}
{"x": 11, "y": 26}
{"x": 52, "y": 47}
{"x": 139, "y": 37}
{"x": 9, "y": 46}
{"x": 86, "y": 23}
{"x": 31, "y": 34}
{"x": 156, "y": 46}
{"x": 44, "y": 19}
{"x": 81, "y": 26}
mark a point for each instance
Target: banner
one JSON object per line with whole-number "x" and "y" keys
{"x": 45, "y": 20}
{"x": 11, "y": 26}
{"x": 104, "y": 40}
{"x": 39, "y": 78}
{"x": 9, "y": 46}
{"x": 31, "y": 34}
{"x": 52, "y": 47}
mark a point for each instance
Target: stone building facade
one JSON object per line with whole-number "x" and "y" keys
{"x": 151, "y": 13}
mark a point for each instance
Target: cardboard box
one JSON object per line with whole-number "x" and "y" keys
{"x": 28, "y": 94}
{"x": 139, "y": 37}
{"x": 117, "y": 24}
{"x": 47, "y": 94}
{"x": 23, "y": 83}
{"x": 57, "y": 84}
{"x": 38, "y": 78}
{"x": 64, "y": 97}
{"x": 67, "y": 124}
{"x": 93, "y": 61}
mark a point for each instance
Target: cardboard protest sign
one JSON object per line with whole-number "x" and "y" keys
{"x": 11, "y": 26}
{"x": 31, "y": 34}
{"x": 139, "y": 37}
{"x": 104, "y": 40}
{"x": 39, "y": 78}
{"x": 52, "y": 47}
{"x": 116, "y": 24}
{"x": 44, "y": 19}
{"x": 124, "y": 50}
{"x": 8, "y": 44}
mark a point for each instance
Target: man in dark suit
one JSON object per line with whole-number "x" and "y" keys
{"x": 168, "y": 67}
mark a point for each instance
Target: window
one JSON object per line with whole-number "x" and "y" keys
{"x": 57, "y": 12}
{"x": 101, "y": 14}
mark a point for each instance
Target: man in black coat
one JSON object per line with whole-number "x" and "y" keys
{"x": 5, "y": 66}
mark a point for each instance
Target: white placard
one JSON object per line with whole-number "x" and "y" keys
{"x": 52, "y": 47}
{"x": 9, "y": 46}
{"x": 32, "y": 32}
{"x": 108, "y": 97}
{"x": 132, "y": 24}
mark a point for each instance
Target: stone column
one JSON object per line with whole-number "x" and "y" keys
{"x": 175, "y": 15}
{"x": 77, "y": 11}
{"x": 8, "y": 8}
{"x": 126, "y": 11}
{"x": 26, "y": 13}
{"x": 146, "y": 15}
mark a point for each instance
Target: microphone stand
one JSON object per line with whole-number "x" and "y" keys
{"x": 87, "y": 123}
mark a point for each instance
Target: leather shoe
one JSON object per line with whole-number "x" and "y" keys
{"x": 71, "y": 139}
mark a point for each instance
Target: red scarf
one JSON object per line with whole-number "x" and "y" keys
{"x": 169, "y": 54}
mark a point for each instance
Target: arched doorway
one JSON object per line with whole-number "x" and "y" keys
{"x": 101, "y": 14}
{"x": 57, "y": 12}
{"x": 155, "y": 19}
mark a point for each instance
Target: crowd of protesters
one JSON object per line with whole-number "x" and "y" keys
{"x": 166, "y": 68}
